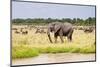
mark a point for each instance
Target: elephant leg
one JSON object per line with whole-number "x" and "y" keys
{"x": 70, "y": 35}
{"x": 50, "y": 38}
{"x": 70, "y": 38}
{"x": 61, "y": 36}
{"x": 55, "y": 36}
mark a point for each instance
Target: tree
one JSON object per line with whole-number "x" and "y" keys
{"x": 75, "y": 21}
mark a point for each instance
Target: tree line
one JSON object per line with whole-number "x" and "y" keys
{"x": 76, "y": 21}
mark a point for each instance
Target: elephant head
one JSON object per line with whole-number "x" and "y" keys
{"x": 53, "y": 27}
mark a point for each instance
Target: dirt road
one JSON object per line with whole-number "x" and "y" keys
{"x": 54, "y": 58}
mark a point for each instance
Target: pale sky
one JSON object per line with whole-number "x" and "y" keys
{"x": 44, "y": 10}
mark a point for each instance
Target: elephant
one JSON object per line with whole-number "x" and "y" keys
{"x": 60, "y": 29}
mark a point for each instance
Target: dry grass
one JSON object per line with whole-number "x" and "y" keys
{"x": 82, "y": 43}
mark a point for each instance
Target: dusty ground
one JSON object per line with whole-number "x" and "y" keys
{"x": 55, "y": 58}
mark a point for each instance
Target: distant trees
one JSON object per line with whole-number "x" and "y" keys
{"x": 75, "y": 21}
{"x": 90, "y": 21}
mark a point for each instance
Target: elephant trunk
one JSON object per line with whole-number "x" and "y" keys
{"x": 48, "y": 33}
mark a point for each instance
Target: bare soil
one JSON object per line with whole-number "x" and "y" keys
{"x": 54, "y": 58}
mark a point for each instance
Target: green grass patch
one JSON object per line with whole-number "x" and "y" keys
{"x": 75, "y": 50}
{"x": 54, "y": 50}
{"x": 33, "y": 44}
{"x": 88, "y": 49}
{"x": 24, "y": 52}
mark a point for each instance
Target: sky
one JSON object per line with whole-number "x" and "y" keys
{"x": 43, "y": 10}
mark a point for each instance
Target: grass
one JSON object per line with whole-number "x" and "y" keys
{"x": 88, "y": 49}
{"x": 32, "y": 44}
{"x": 24, "y": 52}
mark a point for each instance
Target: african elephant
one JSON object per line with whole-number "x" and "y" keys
{"x": 60, "y": 29}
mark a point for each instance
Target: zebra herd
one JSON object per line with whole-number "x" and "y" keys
{"x": 42, "y": 29}
{"x": 86, "y": 29}
{"x": 25, "y": 30}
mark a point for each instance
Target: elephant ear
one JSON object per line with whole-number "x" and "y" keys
{"x": 57, "y": 28}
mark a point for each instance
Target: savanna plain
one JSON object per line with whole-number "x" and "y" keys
{"x": 35, "y": 44}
